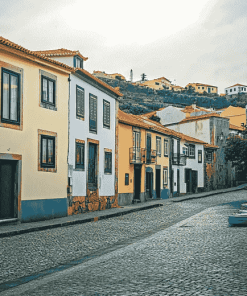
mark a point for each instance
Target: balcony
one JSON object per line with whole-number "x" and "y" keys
{"x": 179, "y": 159}
{"x": 151, "y": 156}
{"x": 137, "y": 155}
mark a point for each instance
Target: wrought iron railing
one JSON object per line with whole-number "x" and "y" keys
{"x": 151, "y": 156}
{"x": 179, "y": 159}
{"x": 137, "y": 155}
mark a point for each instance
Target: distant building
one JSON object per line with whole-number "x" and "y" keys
{"x": 235, "y": 89}
{"x": 236, "y": 115}
{"x": 157, "y": 84}
{"x": 201, "y": 88}
{"x": 110, "y": 76}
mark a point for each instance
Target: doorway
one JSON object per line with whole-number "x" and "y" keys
{"x": 157, "y": 183}
{"x": 149, "y": 184}
{"x": 178, "y": 182}
{"x": 8, "y": 188}
{"x": 137, "y": 181}
{"x": 92, "y": 167}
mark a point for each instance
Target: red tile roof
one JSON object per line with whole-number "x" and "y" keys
{"x": 201, "y": 84}
{"x": 32, "y": 54}
{"x": 237, "y": 84}
{"x": 61, "y": 52}
{"x": 200, "y": 117}
{"x": 139, "y": 121}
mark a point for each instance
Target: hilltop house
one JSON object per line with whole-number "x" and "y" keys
{"x": 158, "y": 83}
{"x": 201, "y": 88}
{"x": 109, "y": 76}
{"x": 236, "y": 89}
{"x": 93, "y": 107}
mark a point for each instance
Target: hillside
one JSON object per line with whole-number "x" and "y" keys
{"x": 139, "y": 99}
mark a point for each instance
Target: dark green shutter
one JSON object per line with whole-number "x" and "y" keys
{"x": 79, "y": 102}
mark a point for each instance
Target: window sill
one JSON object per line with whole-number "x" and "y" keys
{"x": 107, "y": 127}
{"x": 93, "y": 132}
{"x": 80, "y": 118}
{"x": 79, "y": 169}
{"x": 50, "y": 170}
{"x": 106, "y": 173}
{"x": 48, "y": 106}
{"x": 11, "y": 125}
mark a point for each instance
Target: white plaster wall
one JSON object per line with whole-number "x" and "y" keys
{"x": 79, "y": 129}
{"x": 170, "y": 114}
{"x": 190, "y": 164}
{"x": 238, "y": 89}
{"x": 199, "y": 129}
{"x": 66, "y": 60}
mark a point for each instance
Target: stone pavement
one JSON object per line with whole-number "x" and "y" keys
{"x": 11, "y": 230}
{"x": 201, "y": 255}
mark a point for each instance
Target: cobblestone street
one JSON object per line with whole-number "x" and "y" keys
{"x": 152, "y": 252}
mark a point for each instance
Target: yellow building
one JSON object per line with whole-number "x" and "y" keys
{"x": 201, "y": 88}
{"x": 158, "y": 83}
{"x": 110, "y": 76}
{"x": 33, "y": 133}
{"x": 236, "y": 115}
{"x": 143, "y": 160}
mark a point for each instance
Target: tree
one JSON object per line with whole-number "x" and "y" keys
{"x": 143, "y": 76}
{"x": 236, "y": 152}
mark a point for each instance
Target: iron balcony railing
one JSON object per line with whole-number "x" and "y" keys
{"x": 151, "y": 156}
{"x": 179, "y": 159}
{"x": 137, "y": 155}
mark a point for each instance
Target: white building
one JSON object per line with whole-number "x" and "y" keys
{"x": 235, "y": 89}
{"x": 93, "y": 107}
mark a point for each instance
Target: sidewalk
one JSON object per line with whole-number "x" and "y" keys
{"x": 11, "y": 230}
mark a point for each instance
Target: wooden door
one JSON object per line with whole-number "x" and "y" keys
{"x": 7, "y": 188}
{"x": 92, "y": 166}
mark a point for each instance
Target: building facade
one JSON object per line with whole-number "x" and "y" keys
{"x": 201, "y": 88}
{"x": 93, "y": 107}
{"x": 236, "y": 89}
{"x": 34, "y": 135}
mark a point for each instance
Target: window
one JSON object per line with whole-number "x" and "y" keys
{"x": 126, "y": 179}
{"x": 108, "y": 162}
{"x": 10, "y": 109}
{"x": 200, "y": 156}
{"x": 209, "y": 156}
{"x": 48, "y": 90}
{"x": 92, "y": 113}
{"x": 234, "y": 89}
{"x": 192, "y": 151}
{"x": 78, "y": 62}
{"x": 244, "y": 89}
{"x": 203, "y": 87}
{"x": 106, "y": 114}
{"x": 79, "y": 102}
{"x": 226, "y": 91}
{"x": 165, "y": 176}
{"x": 165, "y": 147}
{"x": 80, "y": 160}
{"x": 47, "y": 156}
{"x": 185, "y": 151}
{"x": 157, "y": 83}
{"x": 198, "y": 87}
{"x": 158, "y": 146}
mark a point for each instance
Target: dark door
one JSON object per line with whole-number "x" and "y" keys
{"x": 178, "y": 181}
{"x": 149, "y": 178}
{"x": 148, "y": 148}
{"x": 194, "y": 181}
{"x": 7, "y": 184}
{"x": 188, "y": 180}
{"x": 137, "y": 182}
{"x": 157, "y": 183}
{"x": 171, "y": 181}
{"x": 92, "y": 166}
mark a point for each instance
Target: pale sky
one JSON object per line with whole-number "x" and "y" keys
{"x": 182, "y": 40}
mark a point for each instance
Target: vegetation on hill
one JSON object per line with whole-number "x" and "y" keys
{"x": 139, "y": 99}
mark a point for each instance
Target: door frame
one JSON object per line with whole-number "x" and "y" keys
{"x": 96, "y": 143}
{"x": 17, "y": 190}
{"x": 137, "y": 168}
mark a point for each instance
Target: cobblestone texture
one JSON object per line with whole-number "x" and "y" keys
{"x": 199, "y": 256}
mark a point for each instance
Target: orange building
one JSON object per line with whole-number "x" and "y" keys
{"x": 110, "y": 76}
{"x": 236, "y": 115}
{"x": 158, "y": 83}
{"x": 201, "y": 88}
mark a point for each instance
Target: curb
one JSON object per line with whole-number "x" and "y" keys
{"x": 209, "y": 194}
{"x": 68, "y": 223}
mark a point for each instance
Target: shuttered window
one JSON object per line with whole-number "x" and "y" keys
{"x": 47, "y": 151}
{"x": 92, "y": 113}
{"x": 106, "y": 114}
{"x": 48, "y": 91}
{"x": 108, "y": 162}
{"x": 79, "y": 102}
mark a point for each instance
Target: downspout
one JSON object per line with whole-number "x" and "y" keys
{"x": 68, "y": 183}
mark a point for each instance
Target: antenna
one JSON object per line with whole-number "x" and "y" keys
{"x": 131, "y": 75}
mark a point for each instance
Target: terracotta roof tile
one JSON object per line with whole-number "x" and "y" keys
{"x": 237, "y": 84}
{"x": 30, "y": 53}
{"x": 60, "y": 52}
{"x": 200, "y": 117}
{"x": 201, "y": 84}
{"x": 139, "y": 121}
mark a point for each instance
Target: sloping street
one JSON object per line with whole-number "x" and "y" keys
{"x": 183, "y": 248}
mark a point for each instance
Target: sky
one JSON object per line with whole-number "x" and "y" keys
{"x": 185, "y": 41}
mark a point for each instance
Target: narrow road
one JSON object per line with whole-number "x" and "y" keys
{"x": 182, "y": 248}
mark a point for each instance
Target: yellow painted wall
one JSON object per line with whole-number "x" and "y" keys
{"x": 38, "y": 184}
{"x": 199, "y": 88}
{"x": 236, "y": 115}
{"x": 151, "y": 84}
